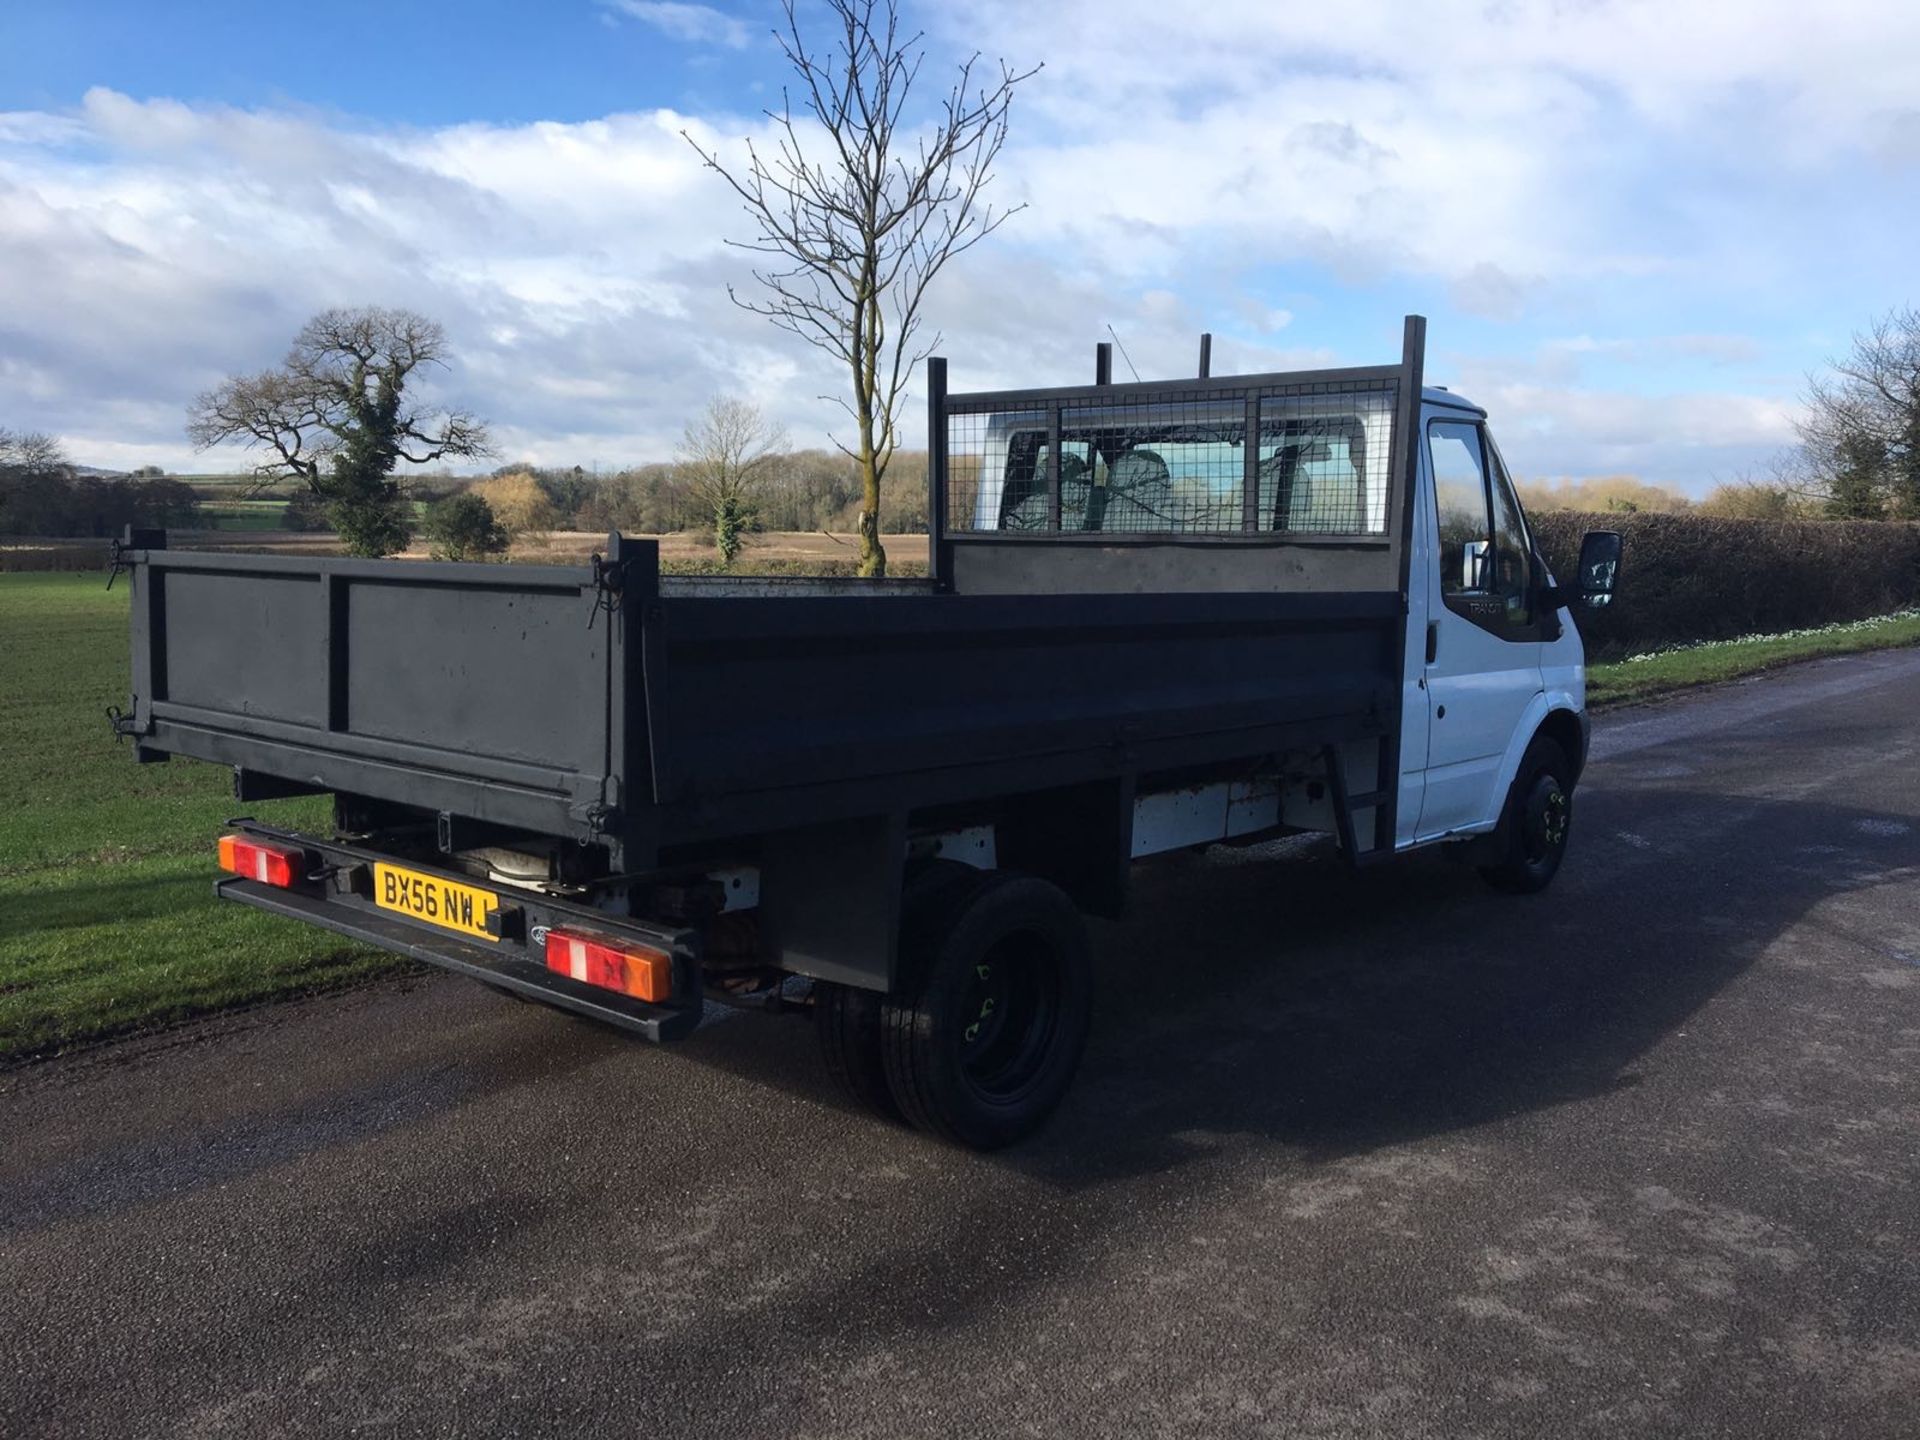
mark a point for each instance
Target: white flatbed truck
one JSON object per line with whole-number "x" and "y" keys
{"x": 1158, "y": 615}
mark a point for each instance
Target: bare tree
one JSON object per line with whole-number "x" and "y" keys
{"x": 36, "y": 485}
{"x": 725, "y": 457}
{"x": 30, "y": 453}
{"x": 334, "y": 417}
{"x": 860, "y": 210}
{"x": 1861, "y": 432}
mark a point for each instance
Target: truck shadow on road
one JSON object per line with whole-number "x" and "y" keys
{"x": 1276, "y": 1017}
{"x": 1287, "y": 998}
{"x": 1340, "y": 1012}
{"x": 1256, "y": 999}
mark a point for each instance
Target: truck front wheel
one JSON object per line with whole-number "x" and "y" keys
{"x": 982, "y": 1043}
{"x": 1538, "y": 821}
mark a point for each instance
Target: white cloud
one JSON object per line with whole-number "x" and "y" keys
{"x": 1532, "y": 167}
{"x": 1840, "y": 78}
{"x": 1686, "y": 440}
{"x": 1524, "y": 153}
{"x": 1490, "y": 292}
{"x": 150, "y": 248}
{"x": 696, "y": 24}
{"x": 1263, "y": 318}
{"x": 1567, "y": 357}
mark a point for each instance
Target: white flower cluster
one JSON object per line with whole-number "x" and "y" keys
{"x": 1839, "y": 627}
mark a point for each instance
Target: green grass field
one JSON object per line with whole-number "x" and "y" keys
{"x": 243, "y": 514}
{"x": 1682, "y": 669}
{"x": 107, "y": 916}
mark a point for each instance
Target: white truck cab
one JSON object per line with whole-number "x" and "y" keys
{"x": 1492, "y": 730}
{"x": 1491, "y": 660}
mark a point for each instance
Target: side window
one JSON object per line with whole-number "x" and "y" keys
{"x": 1513, "y": 555}
{"x": 1460, "y": 492}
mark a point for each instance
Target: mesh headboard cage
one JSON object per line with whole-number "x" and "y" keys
{"x": 1312, "y": 458}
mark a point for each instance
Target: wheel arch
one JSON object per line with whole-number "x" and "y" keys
{"x": 1553, "y": 714}
{"x": 1567, "y": 728}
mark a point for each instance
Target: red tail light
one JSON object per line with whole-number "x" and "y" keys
{"x": 257, "y": 860}
{"x": 636, "y": 970}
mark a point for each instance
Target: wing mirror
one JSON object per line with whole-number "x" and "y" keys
{"x": 1599, "y": 567}
{"x": 1599, "y": 573}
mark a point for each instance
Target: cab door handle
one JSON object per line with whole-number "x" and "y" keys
{"x": 1433, "y": 641}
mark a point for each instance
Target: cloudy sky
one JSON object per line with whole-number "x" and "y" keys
{"x": 1634, "y": 226}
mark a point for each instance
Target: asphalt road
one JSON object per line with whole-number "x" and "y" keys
{"x": 1379, "y": 1154}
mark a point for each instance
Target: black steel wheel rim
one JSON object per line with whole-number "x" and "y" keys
{"x": 1549, "y": 812}
{"x": 1009, "y": 1015}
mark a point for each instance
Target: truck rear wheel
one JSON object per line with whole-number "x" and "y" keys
{"x": 984, "y": 1041}
{"x": 1537, "y": 823}
{"x": 847, "y": 1021}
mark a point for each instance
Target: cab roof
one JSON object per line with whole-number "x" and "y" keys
{"x": 1441, "y": 397}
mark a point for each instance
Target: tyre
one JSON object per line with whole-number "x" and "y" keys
{"x": 847, "y": 1022}
{"x": 985, "y": 1036}
{"x": 1537, "y": 823}
{"x": 846, "y": 1019}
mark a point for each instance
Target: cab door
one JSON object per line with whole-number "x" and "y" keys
{"x": 1483, "y": 633}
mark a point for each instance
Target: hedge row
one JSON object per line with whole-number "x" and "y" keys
{"x": 34, "y": 554}
{"x": 1698, "y": 577}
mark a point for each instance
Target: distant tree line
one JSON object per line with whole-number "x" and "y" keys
{"x": 1745, "y": 498}
{"x": 334, "y": 421}
{"x": 41, "y": 493}
{"x": 797, "y": 490}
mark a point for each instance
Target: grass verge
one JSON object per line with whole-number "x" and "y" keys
{"x": 107, "y": 917}
{"x": 1641, "y": 677}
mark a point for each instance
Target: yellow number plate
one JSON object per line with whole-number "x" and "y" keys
{"x": 446, "y": 903}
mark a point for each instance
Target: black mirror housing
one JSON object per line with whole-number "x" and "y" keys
{"x": 1599, "y": 572}
{"x": 1599, "y": 567}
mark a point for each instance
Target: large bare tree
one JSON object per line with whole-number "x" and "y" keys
{"x": 725, "y": 458}
{"x": 859, "y": 206}
{"x": 334, "y": 417}
{"x": 1861, "y": 430}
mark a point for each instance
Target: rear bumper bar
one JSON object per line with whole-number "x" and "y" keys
{"x": 508, "y": 964}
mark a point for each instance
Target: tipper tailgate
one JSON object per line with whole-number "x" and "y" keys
{"x": 482, "y": 690}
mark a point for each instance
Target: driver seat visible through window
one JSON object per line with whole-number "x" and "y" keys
{"x": 1030, "y": 511}
{"x": 1312, "y": 489}
{"x": 1139, "y": 493}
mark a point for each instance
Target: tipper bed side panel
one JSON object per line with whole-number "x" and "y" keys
{"x": 747, "y": 696}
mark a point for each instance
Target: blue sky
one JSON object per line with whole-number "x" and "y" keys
{"x": 1634, "y": 226}
{"x": 413, "y": 63}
